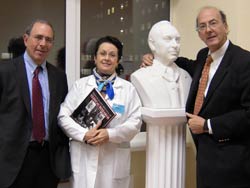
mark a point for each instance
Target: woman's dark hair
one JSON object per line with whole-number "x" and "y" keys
{"x": 111, "y": 40}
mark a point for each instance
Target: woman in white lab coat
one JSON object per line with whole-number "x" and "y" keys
{"x": 101, "y": 157}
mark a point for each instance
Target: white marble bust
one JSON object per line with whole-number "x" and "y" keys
{"x": 164, "y": 84}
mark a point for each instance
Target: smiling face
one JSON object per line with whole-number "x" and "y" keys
{"x": 213, "y": 31}
{"x": 106, "y": 58}
{"x": 39, "y": 42}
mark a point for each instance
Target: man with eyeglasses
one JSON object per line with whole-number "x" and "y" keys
{"x": 34, "y": 152}
{"x": 221, "y": 127}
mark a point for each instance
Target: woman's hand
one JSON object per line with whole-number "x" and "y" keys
{"x": 100, "y": 137}
{"x": 92, "y": 132}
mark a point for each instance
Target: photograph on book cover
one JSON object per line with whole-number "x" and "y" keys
{"x": 93, "y": 109}
{"x": 89, "y": 116}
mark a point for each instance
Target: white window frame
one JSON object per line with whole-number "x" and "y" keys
{"x": 73, "y": 21}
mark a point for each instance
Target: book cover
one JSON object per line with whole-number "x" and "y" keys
{"x": 92, "y": 109}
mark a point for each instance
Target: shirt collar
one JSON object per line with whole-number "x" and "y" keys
{"x": 170, "y": 72}
{"x": 220, "y": 52}
{"x": 31, "y": 64}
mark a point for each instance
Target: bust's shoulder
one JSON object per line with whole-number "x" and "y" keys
{"x": 145, "y": 71}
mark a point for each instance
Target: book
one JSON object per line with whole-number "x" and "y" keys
{"x": 92, "y": 109}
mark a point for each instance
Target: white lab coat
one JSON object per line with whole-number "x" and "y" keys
{"x": 107, "y": 165}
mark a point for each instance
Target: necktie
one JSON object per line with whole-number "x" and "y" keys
{"x": 202, "y": 85}
{"x": 37, "y": 108}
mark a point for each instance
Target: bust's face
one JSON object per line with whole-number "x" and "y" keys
{"x": 166, "y": 42}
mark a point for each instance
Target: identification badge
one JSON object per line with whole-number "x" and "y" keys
{"x": 118, "y": 108}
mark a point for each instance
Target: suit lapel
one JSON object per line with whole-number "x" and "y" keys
{"x": 217, "y": 79}
{"x": 52, "y": 91}
{"x": 23, "y": 81}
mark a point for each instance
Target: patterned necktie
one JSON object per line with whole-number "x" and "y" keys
{"x": 202, "y": 85}
{"x": 37, "y": 108}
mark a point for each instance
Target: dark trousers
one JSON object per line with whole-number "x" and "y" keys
{"x": 36, "y": 170}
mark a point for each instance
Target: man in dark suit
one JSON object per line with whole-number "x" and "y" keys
{"x": 221, "y": 127}
{"x": 26, "y": 162}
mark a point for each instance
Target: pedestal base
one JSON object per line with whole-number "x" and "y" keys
{"x": 166, "y": 135}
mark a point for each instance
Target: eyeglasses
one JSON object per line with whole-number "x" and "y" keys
{"x": 39, "y": 38}
{"x": 213, "y": 24}
{"x": 111, "y": 55}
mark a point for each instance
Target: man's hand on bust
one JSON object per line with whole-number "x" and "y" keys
{"x": 147, "y": 60}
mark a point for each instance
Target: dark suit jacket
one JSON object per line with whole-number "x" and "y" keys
{"x": 223, "y": 158}
{"x": 16, "y": 120}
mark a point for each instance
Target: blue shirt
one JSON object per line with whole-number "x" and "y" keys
{"x": 43, "y": 79}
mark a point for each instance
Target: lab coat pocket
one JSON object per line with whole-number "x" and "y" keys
{"x": 75, "y": 152}
{"x": 121, "y": 163}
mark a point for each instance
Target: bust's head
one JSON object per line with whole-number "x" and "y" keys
{"x": 164, "y": 42}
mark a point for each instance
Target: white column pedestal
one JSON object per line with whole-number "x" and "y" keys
{"x": 165, "y": 150}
